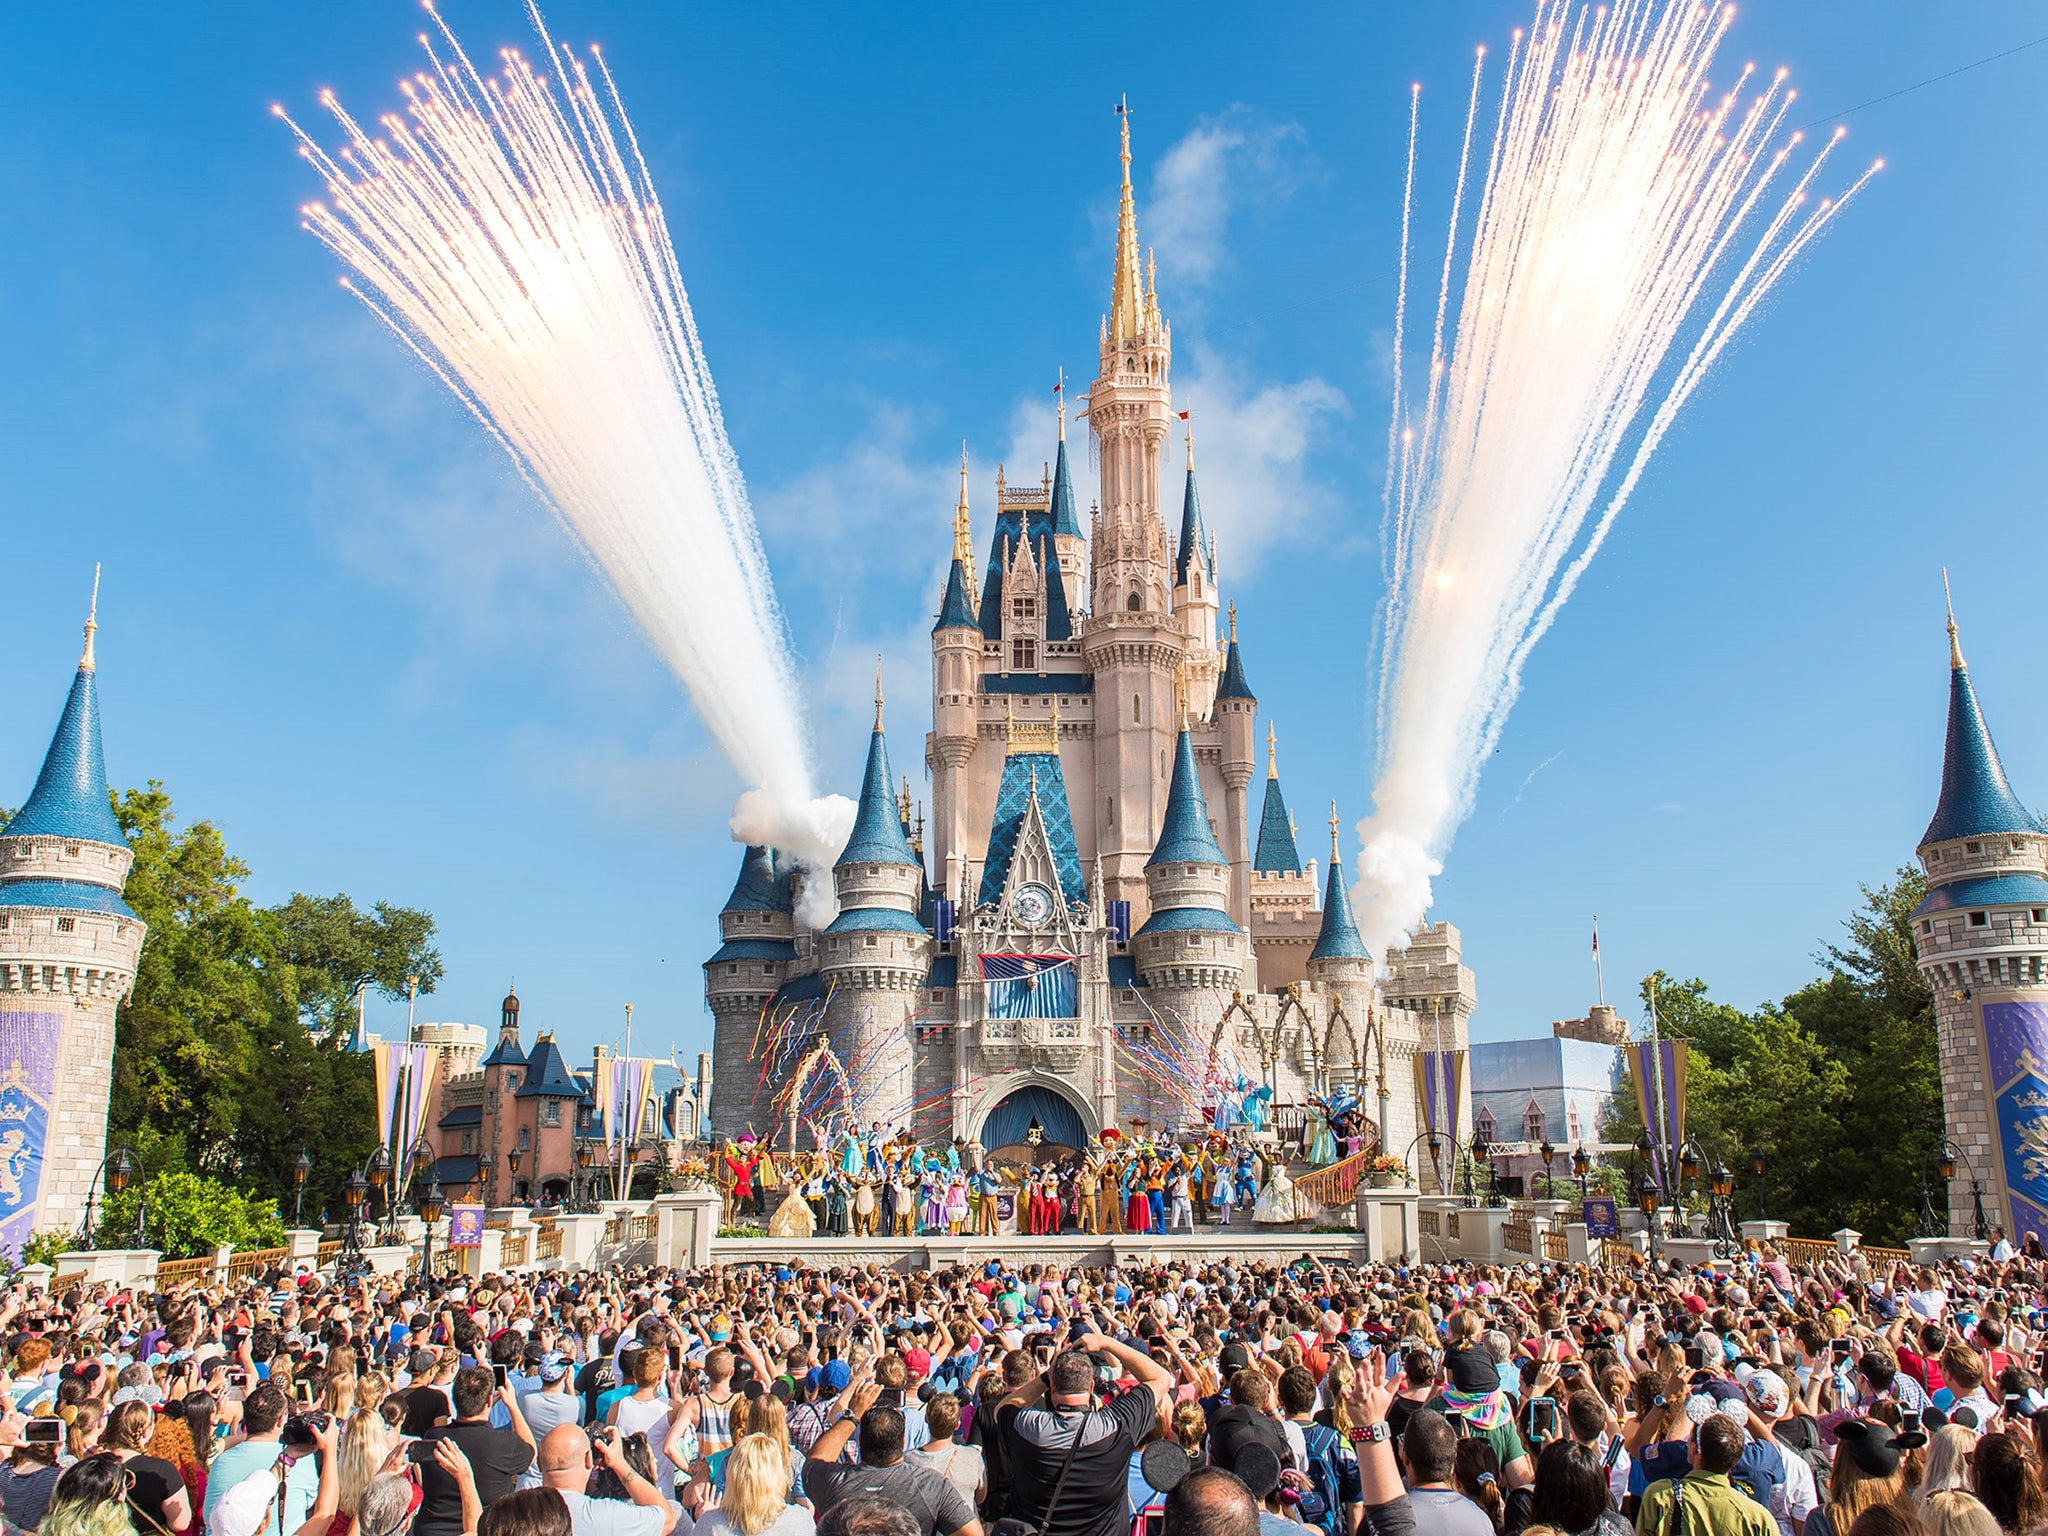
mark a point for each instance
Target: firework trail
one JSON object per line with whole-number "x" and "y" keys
{"x": 508, "y": 233}
{"x": 1627, "y": 225}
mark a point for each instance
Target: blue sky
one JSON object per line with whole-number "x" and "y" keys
{"x": 336, "y": 624}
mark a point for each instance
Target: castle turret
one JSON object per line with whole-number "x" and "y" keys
{"x": 757, "y": 925}
{"x": 68, "y": 950}
{"x": 1132, "y": 642}
{"x": 1236, "y": 711}
{"x": 1342, "y": 970}
{"x": 1982, "y": 939}
{"x": 1189, "y": 940}
{"x": 1195, "y": 602}
{"x": 957, "y": 653}
{"x": 876, "y": 955}
{"x": 1070, "y": 542}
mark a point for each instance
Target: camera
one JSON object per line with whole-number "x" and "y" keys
{"x": 304, "y": 1428}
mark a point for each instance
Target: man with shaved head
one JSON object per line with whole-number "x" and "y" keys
{"x": 567, "y": 1457}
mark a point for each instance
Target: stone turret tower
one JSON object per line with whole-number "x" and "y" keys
{"x": 957, "y": 659}
{"x": 68, "y": 950}
{"x": 1236, "y": 710}
{"x": 1341, "y": 971}
{"x": 758, "y": 927}
{"x": 1132, "y": 642}
{"x": 1982, "y": 940}
{"x": 875, "y": 955}
{"x": 1195, "y": 601}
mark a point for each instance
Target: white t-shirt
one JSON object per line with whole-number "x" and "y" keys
{"x": 1796, "y": 1497}
{"x": 793, "y": 1521}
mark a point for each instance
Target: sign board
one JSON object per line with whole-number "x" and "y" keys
{"x": 465, "y": 1226}
{"x": 1602, "y": 1219}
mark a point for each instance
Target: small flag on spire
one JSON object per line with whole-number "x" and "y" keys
{"x": 1184, "y": 415}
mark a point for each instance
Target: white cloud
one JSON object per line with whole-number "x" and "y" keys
{"x": 1213, "y": 171}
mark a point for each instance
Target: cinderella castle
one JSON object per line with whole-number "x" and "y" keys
{"x": 1093, "y": 931}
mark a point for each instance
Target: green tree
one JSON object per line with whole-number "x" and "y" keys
{"x": 188, "y": 1216}
{"x": 336, "y": 952}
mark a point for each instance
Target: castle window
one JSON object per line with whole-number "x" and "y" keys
{"x": 2040, "y": 914}
{"x": 732, "y": 970}
{"x": 67, "y": 925}
{"x": 551, "y": 1112}
{"x": 2018, "y": 846}
{"x": 768, "y": 971}
{"x": 1532, "y": 1124}
{"x": 71, "y": 850}
{"x": 5, "y": 923}
{"x": 1023, "y": 607}
{"x": 1024, "y": 654}
{"x": 1979, "y": 920}
{"x": 1973, "y": 847}
{"x": 1927, "y": 923}
{"x": 1482, "y": 1124}
{"x": 525, "y": 1138}
{"x": 1134, "y": 709}
{"x": 467, "y": 1142}
{"x": 870, "y": 941}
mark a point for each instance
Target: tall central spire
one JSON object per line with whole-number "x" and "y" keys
{"x": 1127, "y": 295}
{"x": 963, "y": 535}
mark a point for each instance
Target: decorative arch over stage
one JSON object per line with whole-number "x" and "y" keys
{"x": 1006, "y": 1123}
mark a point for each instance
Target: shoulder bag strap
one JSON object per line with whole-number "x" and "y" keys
{"x": 1066, "y": 1465}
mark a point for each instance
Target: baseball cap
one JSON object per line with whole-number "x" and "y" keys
{"x": 554, "y": 1365}
{"x": 833, "y": 1375}
{"x": 918, "y": 1361}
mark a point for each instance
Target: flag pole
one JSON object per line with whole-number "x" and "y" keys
{"x": 618, "y": 1081}
{"x": 1656, "y": 1076}
{"x": 1599, "y": 974}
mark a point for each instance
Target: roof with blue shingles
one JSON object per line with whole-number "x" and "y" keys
{"x": 1184, "y": 835}
{"x": 1986, "y": 891}
{"x": 1013, "y": 526}
{"x": 1021, "y": 772}
{"x": 877, "y": 836}
{"x": 1277, "y": 854}
{"x": 1339, "y": 938}
{"x": 1975, "y": 798}
{"x": 759, "y": 888}
{"x": 64, "y": 896}
{"x": 874, "y": 920}
{"x": 506, "y": 1053}
{"x": 753, "y": 949}
{"x": 955, "y": 611}
{"x": 1233, "y": 684}
{"x": 1193, "y": 538}
{"x": 1064, "y": 522}
{"x": 70, "y": 797}
{"x": 547, "y": 1074}
{"x": 1189, "y": 920}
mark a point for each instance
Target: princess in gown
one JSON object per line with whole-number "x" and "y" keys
{"x": 1276, "y": 1201}
{"x": 1137, "y": 1203}
{"x": 1322, "y": 1146}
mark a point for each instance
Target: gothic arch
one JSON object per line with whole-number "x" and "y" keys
{"x": 1012, "y": 1082}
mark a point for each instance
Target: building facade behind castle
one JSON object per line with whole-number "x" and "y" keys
{"x": 1982, "y": 940}
{"x": 1093, "y": 927}
{"x": 69, "y": 946}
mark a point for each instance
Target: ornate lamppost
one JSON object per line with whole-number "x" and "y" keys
{"x": 116, "y": 1168}
{"x": 379, "y": 1173}
{"x": 302, "y": 1169}
{"x": 1548, "y": 1153}
{"x": 355, "y": 1194}
{"x": 1474, "y": 1150}
{"x": 431, "y": 1205}
{"x": 1759, "y": 1165}
{"x": 1945, "y": 1165}
{"x": 584, "y": 1157}
{"x": 1582, "y": 1166}
{"x": 1721, "y": 1211}
{"x": 1648, "y": 1196}
{"x": 513, "y": 1159}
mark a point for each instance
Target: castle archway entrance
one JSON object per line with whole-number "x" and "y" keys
{"x": 1006, "y": 1128}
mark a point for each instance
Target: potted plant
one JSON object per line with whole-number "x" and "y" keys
{"x": 1386, "y": 1171}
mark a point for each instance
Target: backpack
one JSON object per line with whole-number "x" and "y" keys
{"x": 1800, "y": 1436}
{"x": 1322, "y": 1503}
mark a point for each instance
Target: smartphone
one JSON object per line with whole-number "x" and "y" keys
{"x": 43, "y": 1432}
{"x": 1543, "y": 1417}
{"x": 498, "y": 1375}
{"x": 1839, "y": 1348}
{"x": 1464, "y": 1430}
{"x": 303, "y": 1391}
{"x": 237, "y": 1377}
{"x": 675, "y": 1356}
{"x": 1695, "y": 1358}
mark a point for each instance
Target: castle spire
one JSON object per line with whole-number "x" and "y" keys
{"x": 1277, "y": 853}
{"x": 963, "y": 534}
{"x": 1272, "y": 753}
{"x": 92, "y": 621}
{"x": 878, "y": 694}
{"x": 1339, "y": 938}
{"x": 1059, "y": 395}
{"x": 878, "y": 836}
{"x": 1975, "y": 796}
{"x": 1127, "y": 308}
{"x": 70, "y": 798}
{"x": 1955, "y": 645}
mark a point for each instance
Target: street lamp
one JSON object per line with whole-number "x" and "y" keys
{"x": 431, "y": 1204}
{"x": 1945, "y": 1166}
{"x": 355, "y": 1195}
{"x": 117, "y": 1167}
{"x": 584, "y": 1157}
{"x": 302, "y": 1168}
{"x": 1721, "y": 1219}
{"x": 1759, "y": 1165}
{"x": 1582, "y": 1165}
{"x": 1474, "y": 1151}
{"x": 380, "y": 1174}
{"x": 1647, "y": 1196}
{"x": 1548, "y": 1153}
{"x": 512, "y": 1162}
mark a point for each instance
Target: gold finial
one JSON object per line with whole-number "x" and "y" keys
{"x": 878, "y": 691}
{"x": 1233, "y": 621}
{"x": 1009, "y": 719}
{"x": 1180, "y": 691}
{"x": 1334, "y": 856}
{"x": 963, "y": 534}
{"x": 999, "y": 489}
{"x": 1127, "y": 296}
{"x": 87, "y": 662}
{"x": 903, "y": 802}
{"x": 1955, "y": 645}
{"x": 1189, "y": 417}
{"x": 1060, "y": 395}
{"x": 1272, "y": 754}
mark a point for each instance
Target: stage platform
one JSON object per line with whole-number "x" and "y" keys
{"x": 915, "y": 1254}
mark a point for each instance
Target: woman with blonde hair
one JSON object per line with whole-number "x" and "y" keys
{"x": 766, "y": 1415}
{"x": 1957, "y": 1512}
{"x": 756, "y": 1498}
{"x": 1868, "y": 1472}
{"x": 366, "y": 1446}
{"x": 1948, "y": 1463}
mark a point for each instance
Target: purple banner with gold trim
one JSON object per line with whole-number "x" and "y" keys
{"x": 29, "y": 1044}
{"x": 2016, "y": 1043}
{"x": 465, "y": 1226}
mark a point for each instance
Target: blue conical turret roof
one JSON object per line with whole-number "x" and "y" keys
{"x": 1975, "y": 799}
{"x": 1185, "y": 838}
{"x": 956, "y": 611}
{"x": 1277, "y": 854}
{"x": 70, "y": 797}
{"x": 758, "y": 888}
{"x": 1193, "y": 539}
{"x": 1065, "y": 524}
{"x": 1232, "y": 684}
{"x": 877, "y": 825}
{"x": 1339, "y": 938}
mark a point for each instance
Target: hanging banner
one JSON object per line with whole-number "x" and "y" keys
{"x": 29, "y": 1043}
{"x": 386, "y": 1074}
{"x": 2016, "y": 1044}
{"x": 1439, "y": 1082}
{"x": 465, "y": 1226}
{"x": 1658, "y": 1070}
{"x": 1031, "y": 986}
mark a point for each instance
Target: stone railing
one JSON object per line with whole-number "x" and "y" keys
{"x": 1428, "y": 1223}
{"x": 512, "y": 1254}
{"x": 1557, "y": 1248}
{"x": 1519, "y": 1237}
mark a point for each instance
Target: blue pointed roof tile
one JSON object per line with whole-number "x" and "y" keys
{"x": 1277, "y": 854}
{"x": 1064, "y": 522}
{"x": 877, "y": 827}
{"x": 1975, "y": 798}
{"x": 1339, "y": 938}
{"x": 956, "y": 612}
{"x": 506, "y": 1053}
{"x": 1193, "y": 539}
{"x": 1185, "y": 837}
{"x": 1026, "y": 774}
{"x": 70, "y": 797}
{"x": 758, "y": 888}
{"x": 547, "y": 1074}
{"x": 1232, "y": 684}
